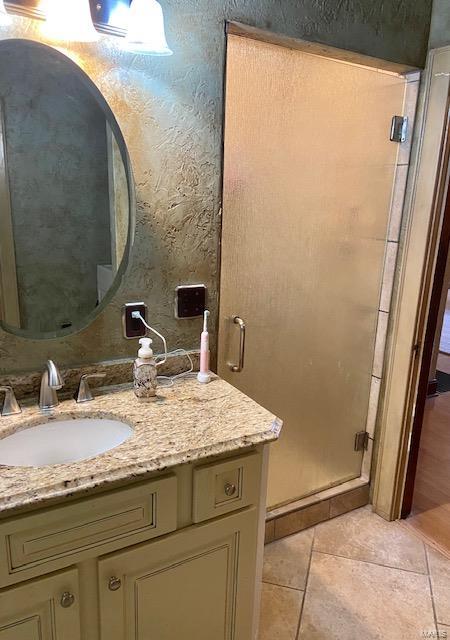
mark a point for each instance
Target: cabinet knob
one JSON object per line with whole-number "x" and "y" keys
{"x": 230, "y": 489}
{"x": 67, "y": 599}
{"x": 114, "y": 583}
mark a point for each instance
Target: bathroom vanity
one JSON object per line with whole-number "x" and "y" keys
{"x": 158, "y": 538}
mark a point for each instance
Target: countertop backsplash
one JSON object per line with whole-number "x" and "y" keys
{"x": 26, "y": 385}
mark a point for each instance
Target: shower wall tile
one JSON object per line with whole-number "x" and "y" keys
{"x": 303, "y": 519}
{"x": 398, "y": 197}
{"x": 409, "y": 110}
{"x": 373, "y": 405}
{"x": 367, "y": 461}
{"x": 269, "y": 535}
{"x": 388, "y": 275}
{"x": 348, "y": 501}
{"x": 380, "y": 343}
{"x": 413, "y": 76}
{"x": 393, "y": 237}
{"x": 296, "y": 520}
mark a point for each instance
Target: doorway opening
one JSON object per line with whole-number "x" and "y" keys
{"x": 426, "y": 499}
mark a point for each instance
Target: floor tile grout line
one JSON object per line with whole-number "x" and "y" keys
{"x": 431, "y": 588}
{"x": 283, "y": 586}
{"x": 377, "y": 564}
{"x": 300, "y": 616}
{"x": 297, "y": 635}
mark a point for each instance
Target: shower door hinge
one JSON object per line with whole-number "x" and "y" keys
{"x": 361, "y": 441}
{"x": 399, "y": 128}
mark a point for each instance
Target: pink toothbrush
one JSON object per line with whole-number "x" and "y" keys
{"x": 204, "y": 375}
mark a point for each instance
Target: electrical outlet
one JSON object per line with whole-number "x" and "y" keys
{"x": 133, "y": 327}
{"x": 190, "y": 301}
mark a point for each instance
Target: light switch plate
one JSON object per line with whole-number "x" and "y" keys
{"x": 190, "y": 301}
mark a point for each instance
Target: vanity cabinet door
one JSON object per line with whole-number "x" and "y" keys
{"x": 197, "y": 584}
{"x": 45, "y": 609}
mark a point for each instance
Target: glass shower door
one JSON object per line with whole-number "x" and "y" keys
{"x": 308, "y": 175}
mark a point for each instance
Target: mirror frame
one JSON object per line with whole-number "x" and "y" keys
{"x": 114, "y": 125}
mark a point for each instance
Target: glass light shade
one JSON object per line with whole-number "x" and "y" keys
{"x": 146, "y": 29}
{"x": 69, "y": 20}
{"x": 5, "y": 18}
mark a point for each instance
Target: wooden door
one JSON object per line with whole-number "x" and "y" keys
{"x": 45, "y": 609}
{"x": 197, "y": 584}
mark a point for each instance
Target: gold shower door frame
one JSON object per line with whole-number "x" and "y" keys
{"x": 308, "y": 178}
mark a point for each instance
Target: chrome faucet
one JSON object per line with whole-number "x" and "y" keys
{"x": 51, "y": 381}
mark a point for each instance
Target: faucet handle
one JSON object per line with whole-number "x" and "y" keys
{"x": 84, "y": 393}
{"x": 10, "y": 406}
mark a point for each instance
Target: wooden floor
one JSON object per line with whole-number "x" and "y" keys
{"x": 431, "y": 503}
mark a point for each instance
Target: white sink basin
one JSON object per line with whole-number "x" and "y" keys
{"x": 62, "y": 441}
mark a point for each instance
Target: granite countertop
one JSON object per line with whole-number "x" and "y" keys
{"x": 187, "y": 422}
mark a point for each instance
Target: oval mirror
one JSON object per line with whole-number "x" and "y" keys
{"x": 65, "y": 194}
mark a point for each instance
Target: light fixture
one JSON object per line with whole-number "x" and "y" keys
{"x": 119, "y": 16}
{"x": 5, "y": 18}
{"x": 146, "y": 29}
{"x": 69, "y": 20}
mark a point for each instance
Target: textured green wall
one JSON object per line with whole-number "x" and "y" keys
{"x": 440, "y": 24}
{"x": 170, "y": 111}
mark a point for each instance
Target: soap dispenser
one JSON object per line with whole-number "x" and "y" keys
{"x": 145, "y": 372}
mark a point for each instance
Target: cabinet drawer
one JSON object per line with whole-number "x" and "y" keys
{"x": 221, "y": 487}
{"x": 149, "y": 508}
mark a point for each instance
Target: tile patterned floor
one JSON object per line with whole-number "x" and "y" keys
{"x": 354, "y": 577}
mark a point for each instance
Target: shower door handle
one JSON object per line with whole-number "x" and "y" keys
{"x": 238, "y": 367}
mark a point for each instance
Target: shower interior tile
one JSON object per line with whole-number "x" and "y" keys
{"x": 409, "y": 110}
{"x": 367, "y": 461}
{"x": 299, "y": 520}
{"x": 380, "y": 343}
{"x": 398, "y": 198}
{"x": 388, "y": 275}
{"x": 348, "y": 501}
{"x": 269, "y": 535}
{"x": 373, "y": 405}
